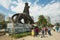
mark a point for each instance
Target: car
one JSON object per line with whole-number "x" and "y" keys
{"x": 0, "y": 26}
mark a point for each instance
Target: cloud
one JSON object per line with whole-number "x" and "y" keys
{"x": 10, "y": 15}
{"x": 5, "y": 3}
{"x": 35, "y": 11}
{"x": 52, "y": 9}
{"x": 36, "y": 2}
{"x": 19, "y": 8}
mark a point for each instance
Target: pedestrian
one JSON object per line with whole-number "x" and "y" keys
{"x": 43, "y": 32}
{"x": 36, "y": 31}
{"x": 57, "y": 28}
{"x": 46, "y": 30}
{"x": 32, "y": 32}
{"x": 49, "y": 30}
{"x": 54, "y": 28}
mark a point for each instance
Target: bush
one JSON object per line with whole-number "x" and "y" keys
{"x": 21, "y": 35}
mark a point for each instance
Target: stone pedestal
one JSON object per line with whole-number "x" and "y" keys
{"x": 18, "y": 28}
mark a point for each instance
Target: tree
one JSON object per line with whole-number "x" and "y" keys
{"x": 42, "y": 21}
{"x": 57, "y": 24}
{"x": 50, "y": 25}
{"x": 3, "y": 23}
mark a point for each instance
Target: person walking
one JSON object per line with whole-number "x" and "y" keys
{"x": 46, "y": 30}
{"x": 43, "y": 32}
{"x": 32, "y": 32}
{"x": 36, "y": 31}
{"x": 49, "y": 30}
{"x": 57, "y": 28}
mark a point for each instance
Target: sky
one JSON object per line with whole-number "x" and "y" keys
{"x": 49, "y": 8}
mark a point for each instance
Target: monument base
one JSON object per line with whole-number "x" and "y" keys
{"x": 18, "y": 28}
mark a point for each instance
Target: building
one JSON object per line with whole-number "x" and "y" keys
{"x": 32, "y": 17}
{"x": 2, "y": 17}
{"x": 48, "y": 19}
{"x": 9, "y": 19}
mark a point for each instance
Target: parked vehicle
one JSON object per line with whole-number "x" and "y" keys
{"x": 0, "y": 26}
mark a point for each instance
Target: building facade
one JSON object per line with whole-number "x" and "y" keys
{"x": 2, "y": 17}
{"x": 48, "y": 19}
{"x": 9, "y": 19}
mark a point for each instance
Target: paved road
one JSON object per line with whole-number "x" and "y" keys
{"x": 56, "y": 36}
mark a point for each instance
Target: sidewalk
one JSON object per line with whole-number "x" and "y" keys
{"x": 55, "y": 36}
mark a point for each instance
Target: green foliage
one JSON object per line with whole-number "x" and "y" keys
{"x": 42, "y": 21}
{"x": 21, "y": 35}
{"x": 50, "y": 25}
{"x": 4, "y": 24}
{"x": 57, "y": 24}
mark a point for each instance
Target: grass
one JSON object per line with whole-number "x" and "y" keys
{"x": 21, "y": 35}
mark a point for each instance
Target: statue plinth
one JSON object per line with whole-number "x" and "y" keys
{"x": 18, "y": 28}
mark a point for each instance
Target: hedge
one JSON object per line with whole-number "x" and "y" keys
{"x": 21, "y": 35}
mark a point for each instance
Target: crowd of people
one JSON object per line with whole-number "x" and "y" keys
{"x": 44, "y": 30}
